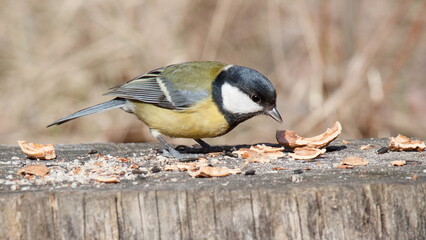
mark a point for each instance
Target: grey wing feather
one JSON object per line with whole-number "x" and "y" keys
{"x": 146, "y": 88}
{"x": 102, "y": 107}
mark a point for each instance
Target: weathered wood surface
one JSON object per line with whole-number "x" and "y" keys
{"x": 377, "y": 211}
{"x": 373, "y": 202}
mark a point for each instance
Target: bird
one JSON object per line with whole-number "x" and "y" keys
{"x": 199, "y": 99}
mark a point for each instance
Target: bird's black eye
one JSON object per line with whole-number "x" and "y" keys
{"x": 255, "y": 98}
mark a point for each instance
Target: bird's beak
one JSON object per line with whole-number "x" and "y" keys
{"x": 275, "y": 115}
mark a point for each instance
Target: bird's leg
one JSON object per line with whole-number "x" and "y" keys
{"x": 207, "y": 148}
{"x": 174, "y": 153}
{"x": 202, "y": 143}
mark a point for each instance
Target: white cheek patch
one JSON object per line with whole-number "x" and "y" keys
{"x": 236, "y": 101}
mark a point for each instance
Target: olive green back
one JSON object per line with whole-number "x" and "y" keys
{"x": 192, "y": 75}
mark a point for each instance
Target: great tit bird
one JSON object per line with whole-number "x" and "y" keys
{"x": 191, "y": 100}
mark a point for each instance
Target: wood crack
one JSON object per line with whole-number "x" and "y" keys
{"x": 141, "y": 214}
{"x": 84, "y": 216}
{"x": 158, "y": 215}
{"x": 252, "y": 213}
{"x": 299, "y": 216}
{"x": 214, "y": 211}
{"x": 119, "y": 214}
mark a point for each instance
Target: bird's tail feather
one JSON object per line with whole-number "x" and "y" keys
{"x": 105, "y": 106}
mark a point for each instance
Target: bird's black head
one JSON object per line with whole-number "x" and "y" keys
{"x": 242, "y": 93}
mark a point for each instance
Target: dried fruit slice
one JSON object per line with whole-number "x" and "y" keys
{"x": 35, "y": 169}
{"x": 354, "y": 161}
{"x": 39, "y": 151}
{"x": 305, "y": 153}
{"x": 288, "y": 138}
{"x": 403, "y": 143}
{"x": 213, "y": 172}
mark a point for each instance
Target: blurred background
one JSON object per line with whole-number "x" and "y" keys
{"x": 362, "y": 63}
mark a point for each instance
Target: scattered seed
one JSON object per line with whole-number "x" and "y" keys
{"x": 345, "y": 166}
{"x": 140, "y": 178}
{"x": 123, "y": 159}
{"x": 155, "y": 169}
{"x": 138, "y": 171}
{"x": 108, "y": 179}
{"x": 279, "y": 168}
{"x": 354, "y": 161}
{"x": 92, "y": 151}
{"x": 296, "y": 178}
{"x": 230, "y": 154}
{"x": 366, "y": 147}
{"x": 335, "y": 148}
{"x": 383, "y": 150}
{"x": 398, "y": 163}
{"x": 214, "y": 154}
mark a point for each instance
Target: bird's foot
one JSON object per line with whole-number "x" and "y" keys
{"x": 205, "y": 148}
{"x": 181, "y": 157}
{"x": 202, "y": 149}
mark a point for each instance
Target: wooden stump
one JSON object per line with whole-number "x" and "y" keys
{"x": 365, "y": 203}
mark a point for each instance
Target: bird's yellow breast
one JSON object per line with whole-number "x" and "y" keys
{"x": 203, "y": 120}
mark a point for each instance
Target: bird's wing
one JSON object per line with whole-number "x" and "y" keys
{"x": 155, "y": 88}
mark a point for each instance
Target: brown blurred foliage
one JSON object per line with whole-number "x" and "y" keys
{"x": 362, "y": 63}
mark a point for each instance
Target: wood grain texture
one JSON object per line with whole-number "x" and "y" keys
{"x": 377, "y": 211}
{"x": 377, "y": 201}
